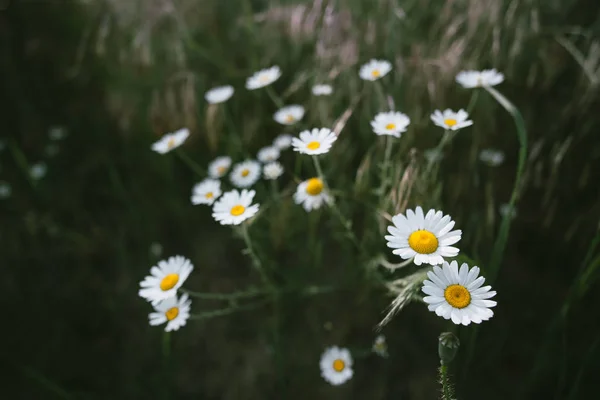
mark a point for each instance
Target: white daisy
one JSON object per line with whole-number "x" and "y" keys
{"x": 234, "y": 207}
{"x": 390, "y": 123}
{"x": 165, "y": 279}
{"x": 374, "y": 70}
{"x": 491, "y": 157}
{"x": 289, "y": 115}
{"x": 272, "y": 170}
{"x": 283, "y": 141}
{"x": 245, "y": 174}
{"x": 458, "y": 295}
{"x": 206, "y": 192}
{"x": 38, "y": 171}
{"x": 5, "y": 190}
{"x": 219, "y": 94}
{"x": 312, "y": 194}
{"x": 316, "y": 141}
{"x": 380, "y": 346}
{"x": 322, "y": 90}
{"x": 427, "y": 238}
{"x": 175, "y": 312}
{"x": 171, "y": 141}
{"x": 268, "y": 154}
{"x": 263, "y": 78}
{"x": 219, "y": 167}
{"x": 336, "y": 365}
{"x": 472, "y": 79}
{"x": 451, "y": 120}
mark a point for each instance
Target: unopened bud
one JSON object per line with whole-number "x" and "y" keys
{"x": 448, "y": 345}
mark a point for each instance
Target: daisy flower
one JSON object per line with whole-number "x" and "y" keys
{"x": 206, "y": 192}
{"x": 175, "y": 312}
{"x": 374, "y": 70}
{"x": 289, "y": 115}
{"x": 234, "y": 207}
{"x": 5, "y": 190}
{"x": 316, "y": 141}
{"x": 390, "y": 123}
{"x": 491, "y": 157}
{"x": 458, "y": 294}
{"x": 336, "y": 365}
{"x": 268, "y": 154}
{"x": 322, "y": 90}
{"x": 272, "y": 170}
{"x": 245, "y": 174}
{"x": 165, "y": 279}
{"x": 38, "y": 171}
{"x": 451, "y": 120}
{"x": 171, "y": 141}
{"x": 219, "y": 94}
{"x": 219, "y": 167}
{"x": 427, "y": 238}
{"x": 263, "y": 78}
{"x": 283, "y": 141}
{"x": 380, "y": 346}
{"x": 472, "y": 79}
{"x": 312, "y": 194}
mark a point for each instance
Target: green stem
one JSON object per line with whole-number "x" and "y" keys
{"x": 446, "y": 390}
{"x": 227, "y": 311}
{"x": 473, "y": 100}
{"x": 318, "y": 167}
{"x": 166, "y": 352}
{"x": 274, "y": 189}
{"x": 445, "y": 140}
{"x": 255, "y": 260}
{"x": 278, "y": 102}
{"x": 225, "y": 296}
{"x": 190, "y": 163}
{"x": 228, "y": 117}
{"x": 386, "y": 165}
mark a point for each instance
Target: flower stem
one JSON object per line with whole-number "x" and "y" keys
{"x": 318, "y": 167}
{"x": 255, "y": 260}
{"x": 224, "y": 296}
{"x": 386, "y": 165}
{"x": 473, "y": 100}
{"x": 228, "y": 117}
{"x": 438, "y": 149}
{"x": 190, "y": 163}
{"x": 445, "y": 381}
{"x": 278, "y": 102}
{"x": 274, "y": 189}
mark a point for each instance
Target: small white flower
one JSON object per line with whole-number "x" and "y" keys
{"x": 268, "y": 154}
{"x": 336, "y": 365}
{"x": 165, "y": 279}
{"x": 38, "y": 171}
{"x": 219, "y": 167}
{"x": 491, "y": 157}
{"x": 451, "y": 120}
{"x": 234, "y": 207}
{"x": 322, "y": 90}
{"x": 289, "y": 115}
{"x": 263, "y": 78}
{"x": 380, "y": 346}
{"x": 57, "y": 133}
{"x": 374, "y": 70}
{"x": 312, "y": 194}
{"x": 171, "y": 141}
{"x": 272, "y": 170}
{"x": 219, "y": 94}
{"x": 427, "y": 238}
{"x": 471, "y": 79}
{"x": 175, "y": 312}
{"x": 433, "y": 155}
{"x": 245, "y": 174}
{"x": 390, "y": 123}
{"x": 506, "y": 209}
{"x": 206, "y": 192}
{"x": 5, "y": 190}
{"x": 316, "y": 141}
{"x": 283, "y": 141}
{"x": 458, "y": 295}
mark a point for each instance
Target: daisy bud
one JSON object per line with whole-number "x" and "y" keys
{"x": 448, "y": 347}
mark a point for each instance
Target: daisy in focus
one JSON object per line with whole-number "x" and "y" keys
{"x": 451, "y": 120}
{"x": 458, "y": 294}
{"x": 283, "y": 141}
{"x": 491, "y": 157}
{"x": 322, "y": 90}
{"x": 427, "y": 238}
{"x": 289, "y": 115}
{"x": 316, "y": 141}
{"x": 374, "y": 70}
{"x": 219, "y": 94}
{"x": 175, "y": 312}
{"x": 311, "y": 194}
{"x": 263, "y": 78}
{"x": 219, "y": 167}
{"x": 165, "y": 279}
{"x": 380, "y": 346}
{"x": 171, "y": 141}
{"x": 472, "y": 79}
{"x": 235, "y": 207}
{"x": 272, "y": 170}
{"x": 390, "y": 123}
{"x": 245, "y": 174}
{"x": 268, "y": 154}
{"x": 206, "y": 192}
{"x": 336, "y": 365}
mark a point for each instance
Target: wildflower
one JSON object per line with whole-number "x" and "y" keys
{"x": 491, "y": 157}
{"x": 433, "y": 155}
{"x": 268, "y": 154}
{"x": 38, "y": 171}
{"x": 219, "y": 167}
{"x": 380, "y": 346}
{"x": 206, "y": 192}
{"x": 316, "y": 141}
{"x": 283, "y": 141}
{"x": 336, "y": 365}
{"x": 245, "y": 174}
{"x": 374, "y": 70}
{"x": 390, "y": 123}
{"x": 448, "y": 344}
{"x": 57, "y": 133}
{"x": 487, "y": 77}
{"x": 451, "y": 120}
{"x": 427, "y": 238}
{"x": 312, "y": 194}
{"x": 272, "y": 170}
{"x": 234, "y": 207}
{"x": 263, "y": 78}
{"x": 5, "y": 190}
{"x": 458, "y": 295}
{"x": 165, "y": 279}
{"x": 175, "y": 312}
{"x": 171, "y": 141}
{"x": 322, "y": 90}
{"x": 507, "y": 209}
{"x": 219, "y": 94}
{"x": 289, "y": 115}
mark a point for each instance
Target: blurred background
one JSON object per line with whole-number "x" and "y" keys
{"x": 86, "y": 208}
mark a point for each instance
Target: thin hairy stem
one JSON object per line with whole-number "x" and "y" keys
{"x": 190, "y": 163}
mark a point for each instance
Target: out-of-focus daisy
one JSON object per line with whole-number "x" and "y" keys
{"x": 272, "y": 170}
{"x": 451, "y": 120}
{"x": 491, "y": 157}
{"x": 336, "y": 365}
{"x": 156, "y": 249}
{"x": 374, "y": 70}
{"x": 234, "y": 207}
{"x": 380, "y": 346}
{"x": 427, "y": 238}
{"x": 245, "y": 174}
{"x": 219, "y": 167}
{"x": 165, "y": 279}
{"x": 171, "y": 141}
{"x": 312, "y": 194}
{"x": 175, "y": 312}
{"x": 38, "y": 171}
{"x": 263, "y": 78}
{"x": 283, "y": 141}
{"x": 322, "y": 90}
{"x": 433, "y": 155}
{"x": 206, "y": 192}
{"x": 316, "y": 141}
{"x": 219, "y": 94}
{"x": 268, "y": 154}
{"x": 5, "y": 190}
{"x": 458, "y": 295}
{"x": 52, "y": 149}
{"x": 57, "y": 133}
{"x": 390, "y": 123}
{"x": 506, "y": 209}
{"x": 289, "y": 115}
{"x": 487, "y": 77}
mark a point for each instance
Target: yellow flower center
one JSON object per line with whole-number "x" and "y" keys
{"x": 390, "y": 126}
{"x": 423, "y": 242}
{"x": 172, "y": 313}
{"x": 237, "y": 210}
{"x": 313, "y": 145}
{"x": 245, "y": 172}
{"x": 209, "y": 195}
{"x": 375, "y": 73}
{"x": 289, "y": 118}
{"x": 338, "y": 365}
{"x": 221, "y": 170}
{"x": 263, "y": 78}
{"x": 169, "y": 281}
{"x": 457, "y": 296}
{"x": 450, "y": 122}
{"x": 314, "y": 186}
{"x": 171, "y": 143}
